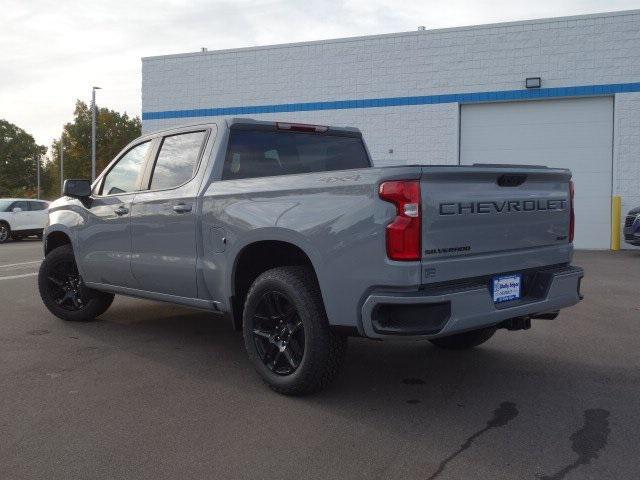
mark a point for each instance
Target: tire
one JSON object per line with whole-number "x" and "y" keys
{"x": 466, "y": 340}
{"x": 63, "y": 292}
{"x": 5, "y": 232}
{"x": 287, "y": 335}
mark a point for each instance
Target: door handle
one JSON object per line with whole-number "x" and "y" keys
{"x": 121, "y": 210}
{"x": 182, "y": 208}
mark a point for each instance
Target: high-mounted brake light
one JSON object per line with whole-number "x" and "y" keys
{"x": 301, "y": 127}
{"x": 403, "y": 234}
{"x": 572, "y": 214}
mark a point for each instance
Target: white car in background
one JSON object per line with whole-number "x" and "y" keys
{"x": 22, "y": 217}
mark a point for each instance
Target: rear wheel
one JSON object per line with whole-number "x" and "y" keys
{"x": 463, "y": 341}
{"x": 64, "y": 293}
{"x": 5, "y": 232}
{"x": 286, "y": 332}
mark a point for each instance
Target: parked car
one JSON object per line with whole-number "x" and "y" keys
{"x": 290, "y": 232}
{"x": 22, "y": 217}
{"x": 632, "y": 227}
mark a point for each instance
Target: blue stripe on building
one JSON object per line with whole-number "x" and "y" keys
{"x": 478, "y": 97}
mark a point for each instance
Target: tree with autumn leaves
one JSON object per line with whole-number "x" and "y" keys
{"x": 19, "y": 152}
{"x": 114, "y": 131}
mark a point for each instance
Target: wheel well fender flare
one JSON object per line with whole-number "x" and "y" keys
{"x": 285, "y": 238}
{"x": 56, "y": 235}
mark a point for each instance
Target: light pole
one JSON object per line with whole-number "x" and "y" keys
{"x": 93, "y": 132}
{"x": 61, "y": 163}
{"x": 38, "y": 175}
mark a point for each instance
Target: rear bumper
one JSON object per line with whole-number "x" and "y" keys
{"x": 458, "y": 307}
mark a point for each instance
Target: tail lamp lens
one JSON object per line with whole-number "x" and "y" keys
{"x": 404, "y": 232}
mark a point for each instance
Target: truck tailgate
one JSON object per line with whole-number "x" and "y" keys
{"x": 482, "y": 213}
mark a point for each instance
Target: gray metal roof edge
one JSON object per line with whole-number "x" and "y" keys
{"x": 398, "y": 34}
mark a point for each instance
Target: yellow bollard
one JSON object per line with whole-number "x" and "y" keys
{"x": 616, "y": 221}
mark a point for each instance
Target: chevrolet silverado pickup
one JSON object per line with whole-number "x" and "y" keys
{"x": 288, "y": 231}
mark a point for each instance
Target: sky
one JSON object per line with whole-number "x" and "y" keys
{"x": 53, "y": 52}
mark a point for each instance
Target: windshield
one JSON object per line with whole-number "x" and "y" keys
{"x": 4, "y": 204}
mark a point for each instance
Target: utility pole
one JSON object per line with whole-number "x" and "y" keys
{"x": 61, "y": 163}
{"x": 93, "y": 132}
{"x": 38, "y": 174}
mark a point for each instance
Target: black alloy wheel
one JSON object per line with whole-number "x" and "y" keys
{"x": 278, "y": 333}
{"x": 65, "y": 285}
{"x": 286, "y": 332}
{"x": 64, "y": 293}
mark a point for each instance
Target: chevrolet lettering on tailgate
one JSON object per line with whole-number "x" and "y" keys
{"x": 506, "y": 206}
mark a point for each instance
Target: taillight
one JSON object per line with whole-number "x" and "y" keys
{"x": 572, "y": 215}
{"x": 403, "y": 234}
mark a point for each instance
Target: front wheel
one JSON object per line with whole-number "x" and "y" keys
{"x": 463, "y": 341}
{"x": 286, "y": 332}
{"x": 63, "y": 292}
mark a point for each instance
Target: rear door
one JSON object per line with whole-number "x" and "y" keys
{"x": 38, "y": 213}
{"x": 163, "y": 217}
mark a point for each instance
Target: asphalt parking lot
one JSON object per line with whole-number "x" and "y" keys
{"x": 157, "y": 391}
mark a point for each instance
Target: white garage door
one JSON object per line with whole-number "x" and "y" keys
{"x": 572, "y": 133}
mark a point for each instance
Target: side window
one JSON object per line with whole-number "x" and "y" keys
{"x": 258, "y": 153}
{"x": 177, "y": 160}
{"x": 24, "y": 206}
{"x": 38, "y": 205}
{"x": 125, "y": 175}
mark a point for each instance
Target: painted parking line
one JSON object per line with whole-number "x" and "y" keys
{"x": 21, "y": 264}
{"x": 13, "y": 277}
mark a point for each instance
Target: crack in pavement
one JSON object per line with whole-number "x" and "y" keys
{"x": 502, "y": 415}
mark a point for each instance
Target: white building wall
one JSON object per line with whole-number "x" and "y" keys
{"x": 601, "y": 49}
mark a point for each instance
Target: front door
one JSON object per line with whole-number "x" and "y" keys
{"x": 105, "y": 242}
{"x": 163, "y": 218}
{"x": 20, "y": 216}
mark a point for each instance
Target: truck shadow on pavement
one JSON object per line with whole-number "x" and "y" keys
{"x": 400, "y": 388}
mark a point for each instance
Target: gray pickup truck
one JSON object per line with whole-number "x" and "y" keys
{"x": 291, "y": 233}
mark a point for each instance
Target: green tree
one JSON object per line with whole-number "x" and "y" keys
{"x": 114, "y": 131}
{"x": 18, "y": 155}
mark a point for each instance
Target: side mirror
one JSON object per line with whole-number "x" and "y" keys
{"x": 77, "y": 188}
{"x": 16, "y": 210}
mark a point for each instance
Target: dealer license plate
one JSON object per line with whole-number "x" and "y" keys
{"x": 506, "y": 287}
